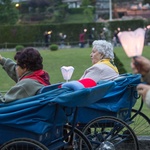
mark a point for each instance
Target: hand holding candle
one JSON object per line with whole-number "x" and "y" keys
{"x": 133, "y": 43}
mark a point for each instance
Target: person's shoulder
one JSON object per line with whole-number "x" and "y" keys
{"x": 30, "y": 83}
{"x": 102, "y": 66}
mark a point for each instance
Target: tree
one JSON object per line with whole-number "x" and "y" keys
{"x": 89, "y": 13}
{"x": 39, "y": 3}
{"x": 93, "y": 2}
{"x": 85, "y": 3}
{"x": 146, "y": 1}
{"x": 8, "y": 12}
{"x": 60, "y": 13}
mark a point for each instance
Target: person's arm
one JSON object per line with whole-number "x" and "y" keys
{"x": 92, "y": 73}
{"x": 141, "y": 65}
{"x": 24, "y": 88}
{"x": 100, "y": 72}
{"x": 10, "y": 67}
{"x": 15, "y": 93}
{"x": 146, "y": 78}
{"x": 147, "y": 98}
{"x": 144, "y": 91}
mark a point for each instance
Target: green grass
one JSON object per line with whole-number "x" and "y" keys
{"x": 78, "y": 18}
{"x": 76, "y": 57}
{"x": 72, "y": 18}
{"x": 53, "y": 61}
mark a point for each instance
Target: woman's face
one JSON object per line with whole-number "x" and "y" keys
{"x": 95, "y": 56}
{"x": 20, "y": 71}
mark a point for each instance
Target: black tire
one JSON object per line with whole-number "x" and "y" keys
{"x": 23, "y": 144}
{"x": 140, "y": 124}
{"x": 77, "y": 140}
{"x": 112, "y": 133}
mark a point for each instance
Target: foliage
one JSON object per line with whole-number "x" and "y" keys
{"x": 8, "y": 13}
{"x": 93, "y": 2}
{"x": 76, "y": 10}
{"x": 89, "y": 14}
{"x": 146, "y": 1}
{"x": 125, "y": 24}
{"x": 19, "y": 47}
{"x": 119, "y": 65}
{"x": 33, "y": 35}
{"x": 53, "y": 47}
{"x": 60, "y": 13}
{"x": 41, "y": 10}
{"x": 85, "y": 2}
{"x": 38, "y": 3}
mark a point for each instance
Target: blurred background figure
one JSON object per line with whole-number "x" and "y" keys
{"x": 116, "y": 41}
{"x": 82, "y": 38}
{"x": 91, "y": 37}
{"x": 115, "y": 38}
{"x": 102, "y": 34}
{"x": 147, "y": 35}
{"x": 62, "y": 38}
{"x": 47, "y": 36}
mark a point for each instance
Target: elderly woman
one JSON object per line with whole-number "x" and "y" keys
{"x": 27, "y": 72}
{"x": 103, "y": 65}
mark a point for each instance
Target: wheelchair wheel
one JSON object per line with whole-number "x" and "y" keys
{"x": 23, "y": 144}
{"x": 140, "y": 124}
{"x": 77, "y": 140}
{"x": 110, "y": 133}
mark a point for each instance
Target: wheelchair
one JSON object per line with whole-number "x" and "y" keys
{"x": 111, "y": 122}
{"x": 41, "y": 122}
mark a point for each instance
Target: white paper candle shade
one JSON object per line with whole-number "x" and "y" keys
{"x": 132, "y": 41}
{"x": 67, "y": 72}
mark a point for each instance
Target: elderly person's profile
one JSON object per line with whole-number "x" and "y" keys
{"x": 103, "y": 67}
{"x": 27, "y": 72}
{"x": 102, "y": 57}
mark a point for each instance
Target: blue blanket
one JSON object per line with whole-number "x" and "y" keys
{"x": 122, "y": 97}
{"x": 38, "y": 114}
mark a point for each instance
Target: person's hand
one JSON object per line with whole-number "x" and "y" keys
{"x": 143, "y": 89}
{"x": 140, "y": 65}
{"x": 1, "y": 57}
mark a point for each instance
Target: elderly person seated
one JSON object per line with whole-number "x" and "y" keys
{"x": 103, "y": 67}
{"x": 27, "y": 72}
{"x": 102, "y": 57}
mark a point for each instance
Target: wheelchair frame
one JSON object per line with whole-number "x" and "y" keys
{"x": 99, "y": 131}
{"x": 96, "y": 134}
{"x": 71, "y": 138}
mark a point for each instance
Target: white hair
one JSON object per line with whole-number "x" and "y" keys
{"x": 104, "y": 47}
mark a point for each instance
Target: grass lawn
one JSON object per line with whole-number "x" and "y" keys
{"x": 78, "y": 18}
{"x": 76, "y": 57}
